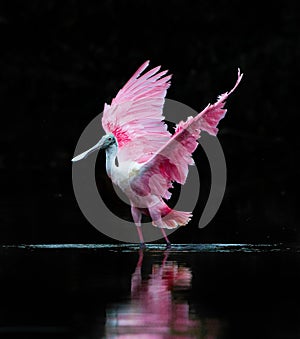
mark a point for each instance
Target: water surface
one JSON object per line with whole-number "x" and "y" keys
{"x": 208, "y": 291}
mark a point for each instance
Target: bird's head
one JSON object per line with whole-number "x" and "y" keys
{"x": 107, "y": 142}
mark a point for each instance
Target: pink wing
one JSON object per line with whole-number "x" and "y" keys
{"x": 171, "y": 162}
{"x": 135, "y": 115}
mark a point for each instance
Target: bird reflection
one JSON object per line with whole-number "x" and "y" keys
{"x": 158, "y": 307}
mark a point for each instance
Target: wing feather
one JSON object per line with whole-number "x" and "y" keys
{"x": 135, "y": 115}
{"x": 171, "y": 162}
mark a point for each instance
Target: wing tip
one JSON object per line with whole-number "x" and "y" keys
{"x": 240, "y": 76}
{"x": 140, "y": 70}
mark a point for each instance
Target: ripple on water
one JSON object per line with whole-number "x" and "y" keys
{"x": 196, "y": 248}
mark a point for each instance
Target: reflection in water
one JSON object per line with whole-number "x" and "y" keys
{"x": 158, "y": 307}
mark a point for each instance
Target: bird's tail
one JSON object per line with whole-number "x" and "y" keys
{"x": 173, "y": 219}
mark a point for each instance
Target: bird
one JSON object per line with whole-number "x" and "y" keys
{"x": 142, "y": 157}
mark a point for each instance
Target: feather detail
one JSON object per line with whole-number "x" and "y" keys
{"x": 171, "y": 161}
{"x": 135, "y": 115}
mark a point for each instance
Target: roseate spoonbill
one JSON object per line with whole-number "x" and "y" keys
{"x": 142, "y": 157}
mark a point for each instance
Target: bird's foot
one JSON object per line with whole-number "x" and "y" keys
{"x": 168, "y": 245}
{"x": 142, "y": 245}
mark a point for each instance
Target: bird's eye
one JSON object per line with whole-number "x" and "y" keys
{"x": 109, "y": 139}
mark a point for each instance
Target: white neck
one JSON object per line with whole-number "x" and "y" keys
{"x": 111, "y": 153}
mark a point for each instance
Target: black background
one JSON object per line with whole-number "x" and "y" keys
{"x": 61, "y": 60}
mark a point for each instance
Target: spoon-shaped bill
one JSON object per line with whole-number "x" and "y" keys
{"x": 88, "y": 152}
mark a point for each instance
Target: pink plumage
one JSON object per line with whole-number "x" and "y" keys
{"x": 149, "y": 158}
{"x": 135, "y": 115}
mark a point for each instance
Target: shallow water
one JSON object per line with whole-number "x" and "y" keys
{"x": 208, "y": 291}
{"x": 181, "y": 248}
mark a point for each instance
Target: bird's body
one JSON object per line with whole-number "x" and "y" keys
{"x": 142, "y": 157}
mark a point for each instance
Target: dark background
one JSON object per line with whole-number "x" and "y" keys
{"x": 61, "y": 60}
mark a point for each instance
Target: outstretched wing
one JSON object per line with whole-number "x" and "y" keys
{"x": 171, "y": 162}
{"x": 135, "y": 115}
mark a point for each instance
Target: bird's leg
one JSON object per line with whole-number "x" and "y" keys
{"x": 156, "y": 217}
{"x": 140, "y": 233}
{"x": 137, "y": 217}
{"x": 166, "y": 237}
